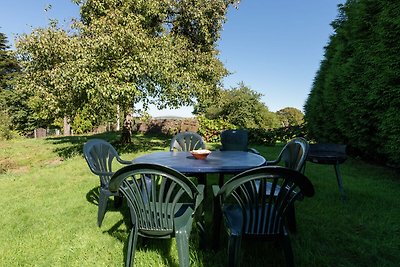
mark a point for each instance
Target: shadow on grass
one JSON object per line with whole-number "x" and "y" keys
{"x": 70, "y": 146}
{"x": 161, "y": 246}
{"x": 93, "y": 196}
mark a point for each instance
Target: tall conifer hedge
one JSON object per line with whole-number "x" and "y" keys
{"x": 355, "y": 97}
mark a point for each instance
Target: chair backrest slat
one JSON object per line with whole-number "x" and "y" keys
{"x": 155, "y": 206}
{"x": 100, "y": 155}
{"x": 264, "y": 195}
{"x": 187, "y": 141}
{"x": 294, "y": 153}
{"x": 234, "y": 140}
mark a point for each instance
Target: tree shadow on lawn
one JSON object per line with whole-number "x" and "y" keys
{"x": 70, "y": 146}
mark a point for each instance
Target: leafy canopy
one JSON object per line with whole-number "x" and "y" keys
{"x": 122, "y": 52}
{"x": 240, "y": 106}
{"x": 290, "y": 116}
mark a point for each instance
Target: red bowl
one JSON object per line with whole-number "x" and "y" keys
{"x": 201, "y": 153}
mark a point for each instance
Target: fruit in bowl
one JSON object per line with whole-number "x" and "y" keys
{"x": 200, "y": 153}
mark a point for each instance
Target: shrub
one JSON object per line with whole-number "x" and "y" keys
{"x": 5, "y": 126}
{"x": 283, "y": 134}
{"x": 210, "y": 129}
{"x": 262, "y": 136}
{"x": 82, "y": 123}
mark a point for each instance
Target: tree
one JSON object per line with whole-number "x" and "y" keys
{"x": 240, "y": 106}
{"x": 8, "y": 63}
{"x": 123, "y": 52}
{"x": 13, "y": 109}
{"x": 290, "y": 116}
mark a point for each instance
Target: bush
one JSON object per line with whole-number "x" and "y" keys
{"x": 82, "y": 123}
{"x": 5, "y": 126}
{"x": 210, "y": 129}
{"x": 262, "y": 136}
{"x": 283, "y": 134}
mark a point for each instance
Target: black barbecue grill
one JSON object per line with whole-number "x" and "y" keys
{"x": 330, "y": 154}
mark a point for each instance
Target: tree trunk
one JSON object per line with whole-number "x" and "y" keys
{"x": 67, "y": 127}
{"x": 127, "y": 130}
{"x": 117, "y": 128}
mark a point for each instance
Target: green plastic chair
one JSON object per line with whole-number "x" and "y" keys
{"x": 187, "y": 141}
{"x": 250, "y": 213}
{"x": 235, "y": 140}
{"x": 293, "y": 156}
{"x": 165, "y": 210}
{"x": 100, "y": 156}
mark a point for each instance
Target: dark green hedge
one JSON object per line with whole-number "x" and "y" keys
{"x": 355, "y": 98}
{"x": 283, "y": 134}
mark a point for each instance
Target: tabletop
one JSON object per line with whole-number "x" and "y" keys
{"x": 216, "y": 162}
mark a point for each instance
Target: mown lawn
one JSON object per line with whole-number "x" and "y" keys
{"x": 48, "y": 201}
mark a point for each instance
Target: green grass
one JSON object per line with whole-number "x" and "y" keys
{"x": 48, "y": 202}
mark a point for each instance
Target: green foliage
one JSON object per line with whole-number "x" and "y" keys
{"x": 5, "y": 126}
{"x": 262, "y": 136}
{"x": 281, "y": 134}
{"x": 240, "y": 106}
{"x": 210, "y": 129}
{"x": 355, "y": 97}
{"x": 290, "y": 116}
{"x": 15, "y": 104}
{"x": 123, "y": 52}
{"x": 82, "y": 122}
{"x": 9, "y": 102}
{"x": 8, "y": 64}
{"x": 285, "y": 134}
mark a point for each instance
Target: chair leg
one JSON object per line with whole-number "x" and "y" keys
{"x": 130, "y": 253}
{"x": 234, "y": 250}
{"x": 103, "y": 200}
{"x": 287, "y": 249}
{"x": 182, "y": 243}
{"x": 202, "y": 179}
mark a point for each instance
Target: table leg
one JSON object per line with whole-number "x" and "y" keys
{"x": 202, "y": 179}
{"x": 216, "y": 225}
{"x": 221, "y": 180}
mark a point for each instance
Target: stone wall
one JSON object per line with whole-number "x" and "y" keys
{"x": 167, "y": 126}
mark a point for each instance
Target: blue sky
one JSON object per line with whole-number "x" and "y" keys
{"x": 274, "y": 47}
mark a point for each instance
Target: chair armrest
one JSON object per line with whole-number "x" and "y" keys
{"x": 272, "y": 162}
{"x": 253, "y": 150}
{"x": 125, "y": 162}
